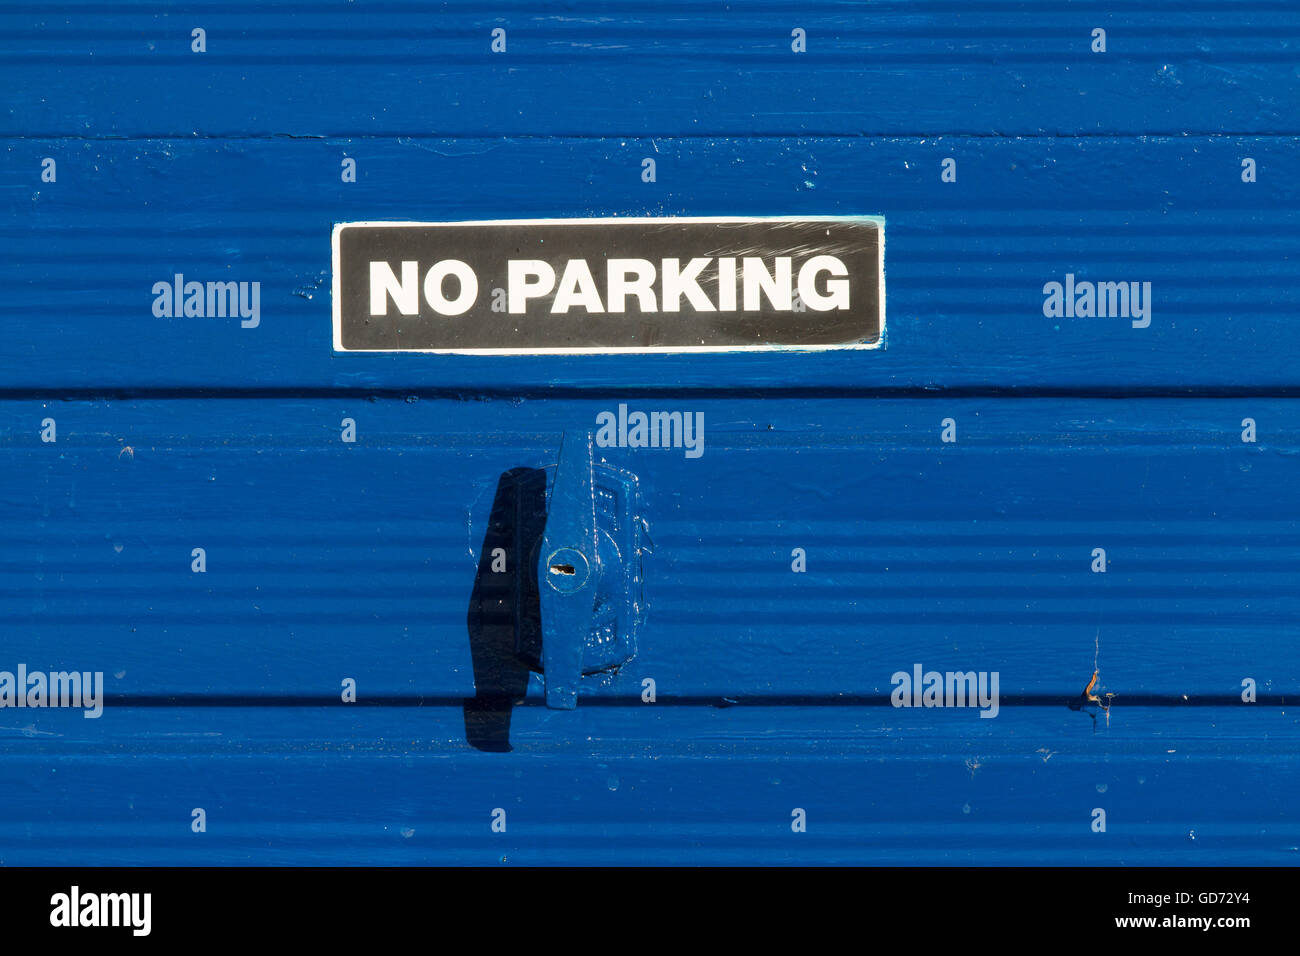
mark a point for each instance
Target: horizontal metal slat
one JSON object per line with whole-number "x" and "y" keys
{"x": 923, "y": 68}
{"x": 598, "y": 785}
{"x": 966, "y": 263}
{"x": 327, "y": 560}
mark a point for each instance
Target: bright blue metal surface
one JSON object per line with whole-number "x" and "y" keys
{"x": 328, "y": 561}
{"x": 393, "y": 69}
{"x": 965, "y": 262}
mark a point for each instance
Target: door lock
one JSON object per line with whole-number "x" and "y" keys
{"x": 579, "y": 604}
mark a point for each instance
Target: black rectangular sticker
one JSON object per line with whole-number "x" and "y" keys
{"x": 609, "y": 285}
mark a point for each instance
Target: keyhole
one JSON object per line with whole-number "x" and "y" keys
{"x": 567, "y": 570}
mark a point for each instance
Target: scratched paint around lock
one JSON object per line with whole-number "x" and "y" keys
{"x": 1047, "y": 498}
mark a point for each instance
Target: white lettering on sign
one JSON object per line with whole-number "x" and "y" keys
{"x": 651, "y": 286}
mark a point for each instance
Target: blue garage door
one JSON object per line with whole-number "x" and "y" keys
{"x": 1017, "y": 585}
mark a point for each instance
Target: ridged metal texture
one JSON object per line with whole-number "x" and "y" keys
{"x": 328, "y": 560}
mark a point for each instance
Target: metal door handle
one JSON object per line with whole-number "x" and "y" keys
{"x": 588, "y": 571}
{"x": 569, "y": 570}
